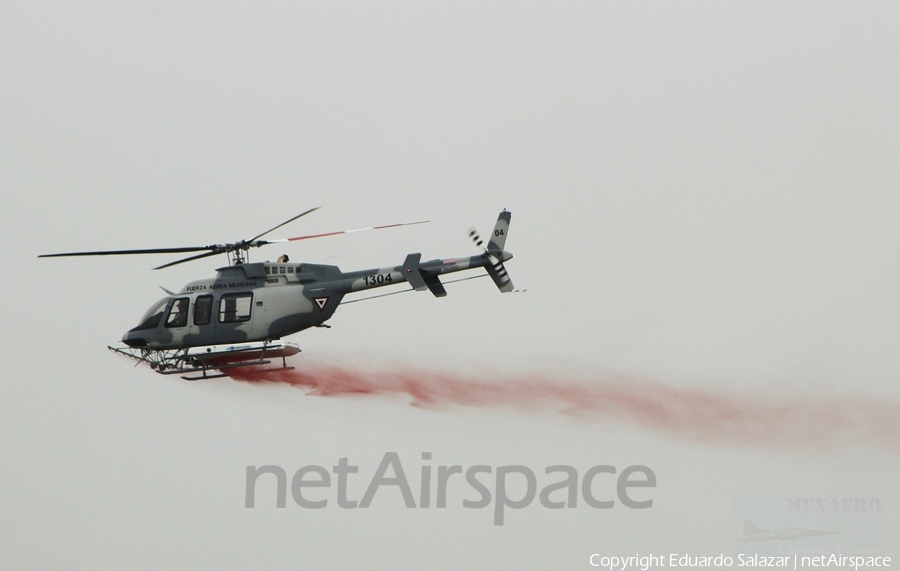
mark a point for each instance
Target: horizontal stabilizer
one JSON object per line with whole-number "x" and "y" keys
{"x": 435, "y": 285}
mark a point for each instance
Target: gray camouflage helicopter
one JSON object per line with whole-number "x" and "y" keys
{"x": 237, "y": 319}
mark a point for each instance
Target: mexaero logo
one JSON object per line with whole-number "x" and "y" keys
{"x": 321, "y": 301}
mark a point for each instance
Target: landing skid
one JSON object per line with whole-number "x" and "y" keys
{"x": 204, "y": 370}
{"x": 210, "y": 361}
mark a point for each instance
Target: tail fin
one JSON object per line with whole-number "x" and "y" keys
{"x": 750, "y": 528}
{"x": 501, "y": 229}
{"x": 497, "y": 271}
{"x": 496, "y": 254}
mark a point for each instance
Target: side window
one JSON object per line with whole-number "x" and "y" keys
{"x": 235, "y": 307}
{"x": 203, "y": 310}
{"x": 178, "y": 313}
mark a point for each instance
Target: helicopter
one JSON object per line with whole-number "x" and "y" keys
{"x": 238, "y": 318}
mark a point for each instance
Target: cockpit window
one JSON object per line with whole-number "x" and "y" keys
{"x": 153, "y": 316}
{"x": 178, "y": 313}
{"x": 235, "y": 307}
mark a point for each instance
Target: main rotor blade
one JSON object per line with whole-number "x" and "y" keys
{"x": 129, "y": 252}
{"x": 283, "y": 223}
{"x": 183, "y": 260}
{"x": 294, "y": 239}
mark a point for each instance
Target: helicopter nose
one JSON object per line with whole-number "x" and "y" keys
{"x": 133, "y": 341}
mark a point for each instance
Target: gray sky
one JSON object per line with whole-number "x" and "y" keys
{"x": 703, "y": 194}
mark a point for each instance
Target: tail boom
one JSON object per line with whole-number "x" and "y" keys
{"x": 426, "y": 275}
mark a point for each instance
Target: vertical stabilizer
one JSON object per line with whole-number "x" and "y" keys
{"x": 498, "y": 236}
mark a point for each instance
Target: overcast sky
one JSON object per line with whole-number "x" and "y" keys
{"x": 704, "y": 195}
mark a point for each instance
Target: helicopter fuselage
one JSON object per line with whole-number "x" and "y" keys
{"x": 264, "y": 301}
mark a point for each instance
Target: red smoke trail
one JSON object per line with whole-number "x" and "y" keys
{"x": 692, "y": 413}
